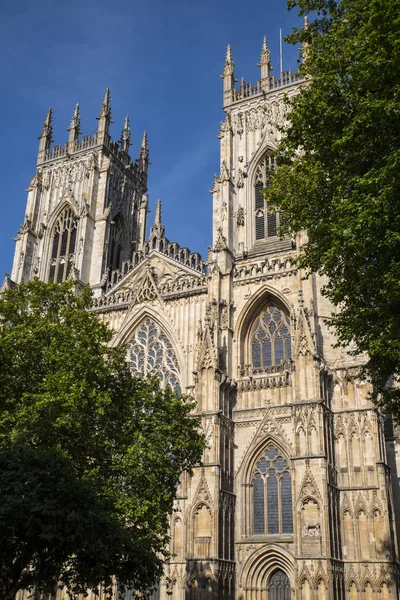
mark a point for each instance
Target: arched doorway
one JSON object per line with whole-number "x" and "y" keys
{"x": 279, "y": 586}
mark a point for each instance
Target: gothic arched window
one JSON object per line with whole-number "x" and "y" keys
{"x": 270, "y": 339}
{"x": 151, "y": 353}
{"x": 272, "y": 495}
{"x": 63, "y": 246}
{"x": 266, "y": 219}
{"x": 279, "y": 586}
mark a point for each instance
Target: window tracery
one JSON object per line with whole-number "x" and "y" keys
{"x": 266, "y": 218}
{"x": 272, "y": 495}
{"x": 279, "y": 586}
{"x": 63, "y": 247}
{"x": 270, "y": 339}
{"x": 150, "y": 352}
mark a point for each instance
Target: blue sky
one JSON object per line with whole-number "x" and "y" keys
{"x": 162, "y": 61}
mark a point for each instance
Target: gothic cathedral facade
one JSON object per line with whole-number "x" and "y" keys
{"x": 297, "y": 496}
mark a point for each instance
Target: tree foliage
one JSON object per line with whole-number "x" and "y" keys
{"x": 339, "y": 173}
{"x": 90, "y": 456}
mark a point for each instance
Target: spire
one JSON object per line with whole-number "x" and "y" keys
{"x": 74, "y": 128}
{"x": 45, "y": 138}
{"x": 126, "y": 135}
{"x": 144, "y": 153}
{"x": 229, "y": 77}
{"x": 265, "y": 60}
{"x": 104, "y": 117}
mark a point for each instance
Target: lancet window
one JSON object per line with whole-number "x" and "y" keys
{"x": 151, "y": 353}
{"x": 266, "y": 218}
{"x": 63, "y": 246}
{"x": 270, "y": 339}
{"x": 272, "y": 495}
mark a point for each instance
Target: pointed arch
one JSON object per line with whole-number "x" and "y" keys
{"x": 118, "y": 243}
{"x": 264, "y": 297}
{"x": 138, "y": 314}
{"x": 172, "y": 372}
{"x": 62, "y": 242}
{"x": 261, "y": 565}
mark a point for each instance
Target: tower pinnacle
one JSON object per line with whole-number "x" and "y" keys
{"x": 126, "y": 135}
{"x": 45, "y": 138}
{"x": 265, "y": 60}
{"x": 144, "y": 153}
{"x": 105, "y": 110}
{"x": 229, "y": 66}
{"x": 228, "y": 76}
{"x": 47, "y": 129}
{"x": 104, "y": 118}
{"x": 74, "y": 128}
{"x": 157, "y": 216}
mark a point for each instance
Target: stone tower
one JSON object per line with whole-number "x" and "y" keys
{"x": 86, "y": 210}
{"x": 294, "y": 496}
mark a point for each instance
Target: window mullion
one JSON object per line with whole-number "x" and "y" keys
{"x": 266, "y": 503}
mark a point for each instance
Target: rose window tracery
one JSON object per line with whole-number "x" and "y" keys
{"x": 150, "y": 352}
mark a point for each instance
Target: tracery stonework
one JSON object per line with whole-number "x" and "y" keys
{"x": 298, "y": 494}
{"x": 151, "y": 353}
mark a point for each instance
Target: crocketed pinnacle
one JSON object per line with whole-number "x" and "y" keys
{"x": 229, "y": 66}
{"x": 105, "y": 110}
{"x": 126, "y": 134}
{"x": 76, "y": 120}
{"x": 47, "y": 128}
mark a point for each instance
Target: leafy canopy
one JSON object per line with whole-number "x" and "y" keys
{"x": 90, "y": 456}
{"x": 339, "y": 173}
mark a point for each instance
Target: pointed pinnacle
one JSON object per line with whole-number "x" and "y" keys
{"x": 105, "y": 110}
{"x": 228, "y": 58}
{"x": 126, "y": 131}
{"x": 76, "y": 119}
{"x": 47, "y": 128}
{"x": 265, "y": 53}
{"x": 264, "y": 44}
{"x": 157, "y": 216}
{"x": 144, "y": 140}
{"x": 305, "y": 22}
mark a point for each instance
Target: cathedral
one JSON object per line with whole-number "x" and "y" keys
{"x": 297, "y": 496}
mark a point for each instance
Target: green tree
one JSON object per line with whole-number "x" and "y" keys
{"x": 339, "y": 173}
{"x": 90, "y": 456}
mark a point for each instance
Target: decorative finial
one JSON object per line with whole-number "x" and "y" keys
{"x": 305, "y": 22}
{"x": 105, "y": 110}
{"x": 229, "y": 66}
{"x": 47, "y": 128}
{"x": 126, "y": 135}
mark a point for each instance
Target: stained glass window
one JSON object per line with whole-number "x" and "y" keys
{"x": 272, "y": 495}
{"x": 151, "y": 353}
{"x": 63, "y": 248}
{"x": 270, "y": 339}
{"x": 266, "y": 219}
{"x": 279, "y": 586}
